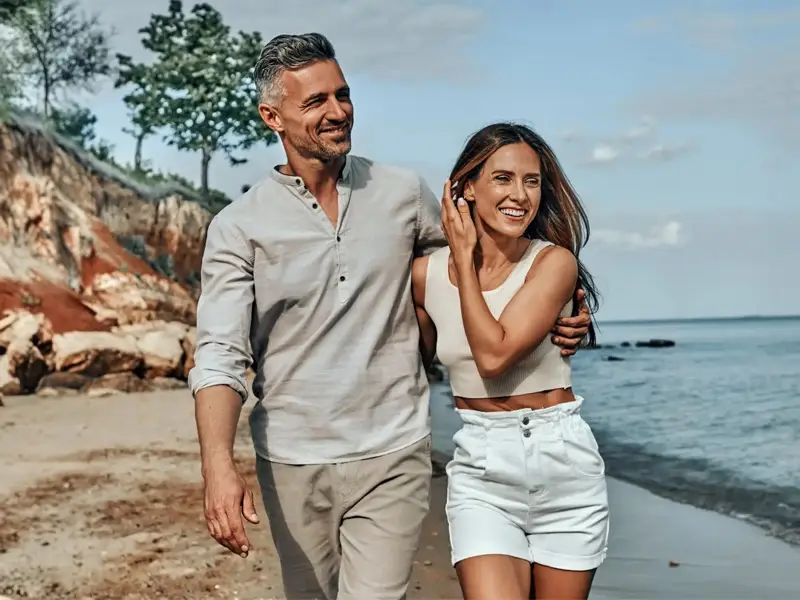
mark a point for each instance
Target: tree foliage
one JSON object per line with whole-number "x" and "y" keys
{"x": 200, "y": 84}
{"x": 58, "y": 48}
{"x": 10, "y": 8}
{"x": 79, "y": 124}
{"x": 142, "y": 100}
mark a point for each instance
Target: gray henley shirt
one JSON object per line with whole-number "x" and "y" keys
{"x": 323, "y": 313}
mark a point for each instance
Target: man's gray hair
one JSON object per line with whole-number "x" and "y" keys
{"x": 288, "y": 53}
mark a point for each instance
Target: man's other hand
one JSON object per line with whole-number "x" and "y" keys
{"x": 569, "y": 332}
{"x": 227, "y": 500}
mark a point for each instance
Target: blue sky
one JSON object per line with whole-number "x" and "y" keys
{"x": 678, "y": 122}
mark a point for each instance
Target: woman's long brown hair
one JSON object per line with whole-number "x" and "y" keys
{"x": 561, "y": 218}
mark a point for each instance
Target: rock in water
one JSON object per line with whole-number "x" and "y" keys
{"x": 655, "y": 343}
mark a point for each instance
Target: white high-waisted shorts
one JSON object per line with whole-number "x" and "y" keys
{"x": 528, "y": 484}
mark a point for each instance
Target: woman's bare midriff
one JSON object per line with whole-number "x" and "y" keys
{"x": 535, "y": 401}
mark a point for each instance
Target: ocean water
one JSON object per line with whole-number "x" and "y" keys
{"x": 713, "y": 422}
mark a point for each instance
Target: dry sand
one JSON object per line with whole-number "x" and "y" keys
{"x": 100, "y": 498}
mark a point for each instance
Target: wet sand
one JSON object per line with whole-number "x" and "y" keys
{"x": 101, "y": 498}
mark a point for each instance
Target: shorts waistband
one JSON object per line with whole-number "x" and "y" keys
{"x": 523, "y": 416}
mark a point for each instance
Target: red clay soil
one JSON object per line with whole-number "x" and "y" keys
{"x": 109, "y": 256}
{"x": 61, "y": 305}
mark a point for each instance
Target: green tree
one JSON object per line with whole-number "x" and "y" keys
{"x": 10, "y": 89}
{"x": 58, "y": 48}
{"x": 10, "y": 82}
{"x": 202, "y": 91}
{"x": 79, "y": 124}
{"x": 142, "y": 100}
{"x": 10, "y": 8}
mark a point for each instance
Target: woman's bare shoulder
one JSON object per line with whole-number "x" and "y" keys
{"x": 554, "y": 260}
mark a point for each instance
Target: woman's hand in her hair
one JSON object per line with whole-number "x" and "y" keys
{"x": 458, "y": 228}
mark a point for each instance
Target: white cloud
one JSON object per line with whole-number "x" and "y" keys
{"x": 413, "y": 39}
{"x": 638, "y": 141}
{"x": 603, "y": 153}
{"x": 705, "y": 274}
{"x": 668, "y": 234}
{"x": 644, "y": 129}
{"x": 665, "y": 152}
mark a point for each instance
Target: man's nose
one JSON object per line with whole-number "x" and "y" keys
{"x": 335, "y": 111}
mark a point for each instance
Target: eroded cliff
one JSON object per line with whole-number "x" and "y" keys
{"x": 84, "y": 247}
{"x": 85, "y": 244}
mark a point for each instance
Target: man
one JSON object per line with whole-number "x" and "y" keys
{"x": 307, "y": 277}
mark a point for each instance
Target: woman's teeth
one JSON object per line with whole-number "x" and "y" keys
{"x": 513, "y": 212}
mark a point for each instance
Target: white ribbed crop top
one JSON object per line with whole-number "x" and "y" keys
{"x": 543, "y": 369}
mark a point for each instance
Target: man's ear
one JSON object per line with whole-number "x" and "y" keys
{"x": 271, "y": 117}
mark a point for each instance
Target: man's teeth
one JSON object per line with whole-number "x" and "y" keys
{"x": 512, "y": 212}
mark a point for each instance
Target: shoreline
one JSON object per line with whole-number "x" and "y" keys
{"x": 95, "y": 506}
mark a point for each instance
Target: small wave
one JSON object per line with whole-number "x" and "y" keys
{"x": 775, "y": 509}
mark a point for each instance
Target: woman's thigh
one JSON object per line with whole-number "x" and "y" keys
{"x": 494, "y": 576}
{"x": 551, "y": 584}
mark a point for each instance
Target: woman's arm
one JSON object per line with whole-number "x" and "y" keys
{"x": 497, "y": 345}
{"x": 427, "y": 330}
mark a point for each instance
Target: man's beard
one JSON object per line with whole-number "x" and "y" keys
{"x": 320, "y": 150}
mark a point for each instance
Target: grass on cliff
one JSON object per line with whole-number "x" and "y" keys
{"x": 153, "y": 189}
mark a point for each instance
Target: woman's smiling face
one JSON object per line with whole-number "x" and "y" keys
{"x": 507, "y": 193}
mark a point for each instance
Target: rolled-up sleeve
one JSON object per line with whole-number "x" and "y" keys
{"x": 222, "y": 353}
{"x": 430, "y": 236}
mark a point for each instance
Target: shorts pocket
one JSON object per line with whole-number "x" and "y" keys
{"x": 470, "y": 454}
{"x": 580, "y": 448}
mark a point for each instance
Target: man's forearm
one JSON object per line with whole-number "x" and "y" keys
{"x": 217, "y": 410}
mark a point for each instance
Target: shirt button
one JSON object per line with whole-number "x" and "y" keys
{"x": 338, "y": 238}
{"x": 342, "y": 278}
{"x": 298, "y": 181}
{"x": 314, "y": 206}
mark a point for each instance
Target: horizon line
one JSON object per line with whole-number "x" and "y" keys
{"x": 755, "y": 317}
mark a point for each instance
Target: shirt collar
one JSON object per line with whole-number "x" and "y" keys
{"x": 296, "y": 182}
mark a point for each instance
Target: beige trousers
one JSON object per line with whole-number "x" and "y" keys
{"x": 348, "y": 531}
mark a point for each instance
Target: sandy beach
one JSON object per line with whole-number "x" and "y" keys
{"x": 100, "y": 498}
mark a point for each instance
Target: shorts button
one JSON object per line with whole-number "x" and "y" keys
{"x": 525, "y": 420}
{"x": 527, "y": 433}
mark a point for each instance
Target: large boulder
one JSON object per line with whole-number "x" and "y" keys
{"x": 162, "y": 354}
{"x": 24, "y": 325}
{"x": 162, "y": 346}
{"x": 96, "y": 353}
{"x": 24, "y": 339}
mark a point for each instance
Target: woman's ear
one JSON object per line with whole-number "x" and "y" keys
{"x": 469, "y": 192}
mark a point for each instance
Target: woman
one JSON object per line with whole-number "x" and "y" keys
{"x": 526, "y": 502}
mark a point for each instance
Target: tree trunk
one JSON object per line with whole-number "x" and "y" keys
{"x": 204, "y": 172}
{"x": 137, "y": 156}
{"x": 46, "y": 100}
